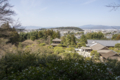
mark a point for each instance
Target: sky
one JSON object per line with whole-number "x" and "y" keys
{"x": 57, "y": 13}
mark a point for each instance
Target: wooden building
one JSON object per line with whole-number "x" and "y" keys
{"x": 56, "y": 42}
{"x": 86, "y": 49}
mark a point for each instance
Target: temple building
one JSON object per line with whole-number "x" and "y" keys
{"x": 56, "y": 42}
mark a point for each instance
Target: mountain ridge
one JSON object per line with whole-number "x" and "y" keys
{"x": 82, "y": 27}
{"x": 99, "y": 27}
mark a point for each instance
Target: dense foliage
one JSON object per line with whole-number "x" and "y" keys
{"x": 95, "y": 35}
{"x": 95, "y": 54}
{"x": 39, "y": 34}
{"x": 7, "y": 32}
{"x": 33, "y": 60}
{"x": 68, "y": 40}
{"x": 65, "y": 70}
{"x": 116, "y": 37}
{"x": 70, "y": 28}
{"x": 36, "y": 66}
{"x": 116, "y": 48}
{"x": 117, "y": 45}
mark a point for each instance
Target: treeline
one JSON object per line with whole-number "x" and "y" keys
{"x": 101, "y": 36}
{"x": 116, "y": 37}
{"x": 95, "y": 35}
{"x": 71, "y": 40}
{"x": 44, "y": 34}
{"x": 10, "y": 33}
{"x": 68, "y": 40}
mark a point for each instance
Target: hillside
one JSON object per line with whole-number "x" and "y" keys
{"x": 71, "y": 28}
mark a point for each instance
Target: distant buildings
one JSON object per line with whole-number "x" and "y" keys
{"x": 107, "y": 43}
{"x": 102, "y": 47}
{"x": 66, "y": 31}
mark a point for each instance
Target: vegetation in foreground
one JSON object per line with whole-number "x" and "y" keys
{"x": 44, "y": 62}
{"x": 38, "y": 66}
{"x": 39, "y": 61}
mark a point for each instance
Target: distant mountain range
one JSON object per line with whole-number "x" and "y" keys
{"x": 99, "y": 27}
{"x": 82, "y": 27}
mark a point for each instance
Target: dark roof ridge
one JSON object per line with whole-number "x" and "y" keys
{"x": 102, "y": 40}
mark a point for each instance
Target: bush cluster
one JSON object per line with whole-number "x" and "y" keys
{"x": 27, "y": 66}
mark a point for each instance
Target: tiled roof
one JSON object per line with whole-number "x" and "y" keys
{"x": 55, "y": 44}
{"x": 104, "y": 42}
{"x": 86, "y": 48}
{"x": 97, "y": 46}
{"x": 56, "y": 39}
{"x": 108, "y": 54}
{"x": 103, "y": 51}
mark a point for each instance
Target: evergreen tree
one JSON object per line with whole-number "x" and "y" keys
{"x": 58, "y": 34}
{"x": 73, "y": 41}
{"x": 9, "y": 33}
{"x": 95, "y": 35}
{"x": 117, "y": 45}
{"x": 83, "y": 39}
{"x": 68, "y": 39}
{"x": 40, "y": 34}
{"x": 118, "y": 37}
{"x": 33, "y": 38}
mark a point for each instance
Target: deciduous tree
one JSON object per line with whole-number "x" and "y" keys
{"x": 5, "y": 11}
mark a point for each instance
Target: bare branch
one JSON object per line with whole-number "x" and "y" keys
{"x": 114, "y": 6}
{"x": 5, "y": 11}
{"x": 17, "y": 25}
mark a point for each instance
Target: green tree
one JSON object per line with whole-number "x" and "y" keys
{"x": 78, "y": 45}
{"x": 9, "y": 33}
{"x": 73, "y": 40}
{"x": 68, "y": 40}
{"x": 58, "y": 50}
{"x": 33, "y": 38}
{"x": 117, "y": 45}
{"x": 70, "y": 49}
{"x": 114, "y": 36}
{"x": 63, "y": 39}
{"x": 81, "y": 44}
{"x": 95, "y": 54}
{"x": 14, "y": 37}
{"x": 40, "y": 34}
{"x": 83, "y": 39}
{"x": 58, "y": 34}
{"x": 42, "y": 44}
{"x": 118, "y": 37}
{"x": 95, "y": 35}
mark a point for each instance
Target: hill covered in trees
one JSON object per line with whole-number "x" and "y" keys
{"x": 71, "y": 28}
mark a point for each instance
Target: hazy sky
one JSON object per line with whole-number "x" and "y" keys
{"x": 56, "y": 13}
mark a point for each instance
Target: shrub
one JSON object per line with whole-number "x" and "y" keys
{"x": 42, "y": 44}
{"x": 58, "y": 50}
{"x": 114, "y": 65}
{"x": 65, "y": 70}
{"x": 50, "y": 47}
{"x": 32, "y": 38}
{"x": 70, "y": 49}
{"x": 95, "y": 54}
{"x": 59, "y": 45}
